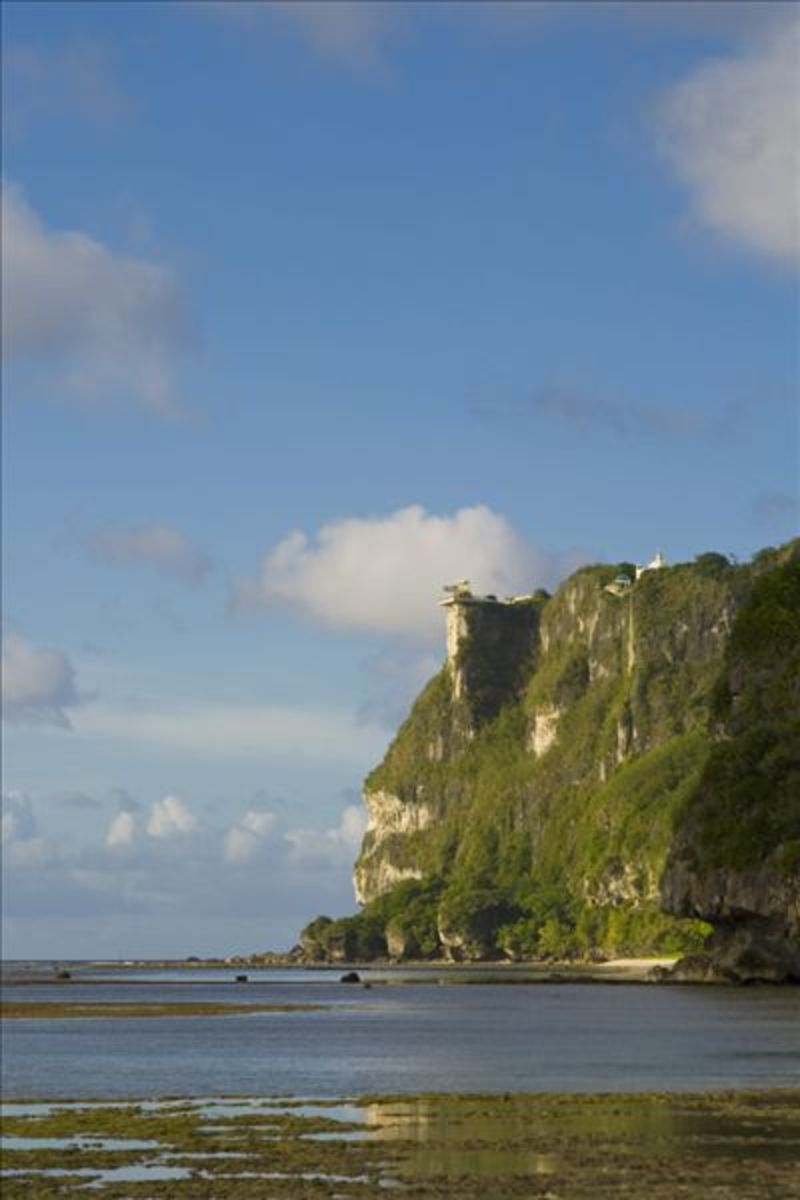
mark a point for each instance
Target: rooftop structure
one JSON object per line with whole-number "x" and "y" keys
{"x": 655, "y": 564}
{"x": 461, "y": 593}
{"x": 623, "y": 583}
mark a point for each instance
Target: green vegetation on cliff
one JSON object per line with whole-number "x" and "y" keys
{"x": 540, "y": 781}
{"x": 747, "y": 802}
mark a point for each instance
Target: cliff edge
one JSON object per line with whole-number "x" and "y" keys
{"x": 609, "y": 770}
{"x": 735, "y": 859}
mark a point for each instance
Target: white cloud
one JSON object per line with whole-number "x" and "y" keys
{"x": 243, "y": 841}
{"x": 321, "y": 735}
{"x": 122, "y": 831}
{"x": 103, "y": 325}
{"x": 732, "y": 133}
{"x": 38, "y": 684}
{"x": 170, "y": 816}
{"x": 163, "y": 547}
{"x": 349, "y": 31}
{"x": 386, "y": 574}
{"x": 330, "y": 847}
{"x": 171, "y": 890}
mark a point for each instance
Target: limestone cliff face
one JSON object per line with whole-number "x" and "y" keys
{"x": 594, "y": 680}
{"x": 389, "y": 818}
{"x": 735, "y": 860}
{"x": 549, "y": 772}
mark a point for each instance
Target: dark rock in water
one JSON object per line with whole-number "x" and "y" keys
{"x": 241, "y": 979}
{"x": 350, "y": 977}
{"x": 694, "y": 968}
{"x": 63, "y": 975}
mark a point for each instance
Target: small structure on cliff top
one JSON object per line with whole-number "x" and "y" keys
{"x": 655, "y": 564}
{"x": 622, "y": 584}
{"x": 619, "y": 586}
{"x": 475, "y": 623}
{"x": 459, "y": 592}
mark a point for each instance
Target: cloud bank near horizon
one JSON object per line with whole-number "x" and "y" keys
{"x": 166, "y": 860}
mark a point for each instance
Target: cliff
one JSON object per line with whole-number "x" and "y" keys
{"x": 735, "y": 859}
{"x": 570, "y": 783}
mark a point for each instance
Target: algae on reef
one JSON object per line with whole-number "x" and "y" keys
{"x": 733, "y": 1146}
{"x": 598, "y": 772}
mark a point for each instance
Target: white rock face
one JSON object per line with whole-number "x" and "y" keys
{"x": 457, "y": 630}
{"x": 545, "y": 729}
{"x": 388, "y": 815}
{"x": 624, "y": 883}
{"x": 373, "y": 879}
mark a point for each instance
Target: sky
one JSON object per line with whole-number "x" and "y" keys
{"x": 309, "y": 309}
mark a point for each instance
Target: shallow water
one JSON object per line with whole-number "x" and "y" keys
{"x": 411, "y": 1038}
{"x": 77, "y": 1142}
{"x": 715, "y": 1143}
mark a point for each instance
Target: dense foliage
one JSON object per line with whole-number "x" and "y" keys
{"x": 747, "y": 802}
{"x": 555, "y": 845}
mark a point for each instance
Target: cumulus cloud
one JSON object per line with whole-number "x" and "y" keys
{"x": 348, "y": 31}
{"x": 170, "y": 816}
{"x": 103, "y": 325}
{"x": 38, "y": 684}
{"x": 731, "y": 131}
{"x": 243, "y": 841}
{"x": 122, "y": 831}
{"x": 385, "y": 574}
{"x": 160, "y": 546}
{"x": 330, "y": 847}
{"x": 142, "y": 894}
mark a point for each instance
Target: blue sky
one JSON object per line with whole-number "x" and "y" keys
{"x": 308, "y": 309}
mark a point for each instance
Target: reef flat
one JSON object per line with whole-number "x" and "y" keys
{"x": 36, "y": 1010}
{"x": 728, "y": 1145}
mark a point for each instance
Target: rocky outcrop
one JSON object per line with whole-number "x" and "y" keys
{"x": 388, "y": 821}
{"x": 621, "y": 884}
{"x": 467, "y": 941}
{"x": 491, "y": 647}
{"x": 545, "y": 729}
{"x": 755, "y": 913}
